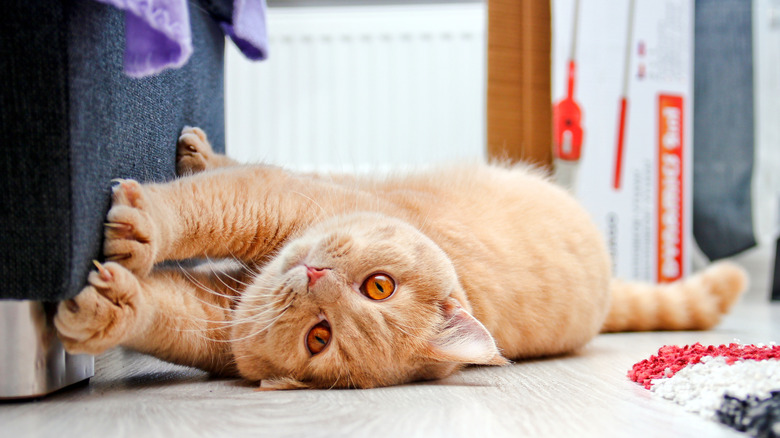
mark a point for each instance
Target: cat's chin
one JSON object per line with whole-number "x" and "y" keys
{"x": 252, "y": 370}
{"x": 429, "y": 372}
{"x": 281, "y": 384}
{"x": 437, "y": 371}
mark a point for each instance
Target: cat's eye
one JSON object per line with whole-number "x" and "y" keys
{"x": 318, "y": 337}
{"x": 378, "y": 287}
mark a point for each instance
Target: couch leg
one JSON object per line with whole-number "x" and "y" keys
{"x": 33, "y": 362}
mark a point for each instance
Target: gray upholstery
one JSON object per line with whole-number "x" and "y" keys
{"x": 72, "y": 121}
{"x": 723, "y": 127}
{"x": 776, "y": 276}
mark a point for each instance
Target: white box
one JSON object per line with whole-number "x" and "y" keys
{"x": 636, "y": 54}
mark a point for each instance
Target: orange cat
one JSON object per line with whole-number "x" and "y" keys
{"x": 360, "y": 282}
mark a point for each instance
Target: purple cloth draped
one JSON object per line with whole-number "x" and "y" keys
{"x": 248, "y": 29}
{"x": 158, "y": 34}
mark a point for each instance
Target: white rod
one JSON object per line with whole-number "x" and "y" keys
{"x": 575, "y": 27}
{"x": 629, "y": 47}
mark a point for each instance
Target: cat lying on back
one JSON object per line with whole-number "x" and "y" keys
{"x": 359, "y": 282}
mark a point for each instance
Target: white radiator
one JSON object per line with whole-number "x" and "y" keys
{"x": 361, "y": 88}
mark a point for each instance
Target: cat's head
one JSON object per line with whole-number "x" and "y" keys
{"x": 357, "y": 301}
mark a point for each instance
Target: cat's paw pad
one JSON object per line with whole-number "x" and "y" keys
{"x": 103, "y": 313}
{"x": 193, "y": 151}
{"x": 129, "y": 230}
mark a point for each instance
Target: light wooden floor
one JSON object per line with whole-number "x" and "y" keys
{"x": 585, "y": 394}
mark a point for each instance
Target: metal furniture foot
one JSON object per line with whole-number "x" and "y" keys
{"x": 33, "y": 362}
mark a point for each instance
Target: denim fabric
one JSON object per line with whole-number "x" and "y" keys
{"x": 79, "y": 122}
{"x": 776, "y": 277}
{"x": 723, "y": 127}
{"x": 34, "y": 180}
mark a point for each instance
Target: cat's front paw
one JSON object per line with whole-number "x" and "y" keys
{"x": 130, "y": 233}
{"x": 103, "y": 314}
{"x": 193, "y": 151}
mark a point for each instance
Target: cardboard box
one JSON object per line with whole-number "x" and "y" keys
{"x": 622, "y": 126}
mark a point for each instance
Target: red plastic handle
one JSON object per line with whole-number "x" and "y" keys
{"x": 567, "y": 123}
{"x": 620, "y": 147}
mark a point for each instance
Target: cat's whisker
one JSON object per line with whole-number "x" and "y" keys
{"x": 252, "y": 271}
{"x": 228, "y": 341}
{"x": 405, "y": 329}
{"x": 206, "y": 303}
{"x": 267, "y": 299}
{"x": 208, "y": 321}
{"x": 269, "y": 293}
{"x": 266, "y": 328}
{"x": 335, "y": 382}
{"x": 200, "y": 332}
{"x": 266, "y": 288}
{"x": 232, "y": 362}
{"x": 400, "y": 329}
{"x": 255, "y": 317}
{"x": 283, "y": 311}
{"x": 259, "y": 311}
{"x": 224, "y": 323}
{"x": 205, "y": 288}
{"x": 397, "y": 323}
{"x": 224, "y": 366}
{"x": 424, "y": 223}
{"x": 232, "y": 322}
{"x": 350, "y": 381}
{"x": 272, "y": 285}
{"x": 217, "y": 275}
{"x": 218, "y": 325}
{"x": 322, "y": 210}
{"x": 237, "y": 280}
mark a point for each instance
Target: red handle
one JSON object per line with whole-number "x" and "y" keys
{"x": 620, "y": 144}
{"x": 567, "y": 123}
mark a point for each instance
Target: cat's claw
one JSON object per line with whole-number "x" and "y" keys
{"x": 118, "y": 230}
{"x": 103, "y": 313}
{"x": 127, "y": 191}
{"x": 105, "y": 274}
{"x": 129, "y": 231}
{"x": 193, "y": 151}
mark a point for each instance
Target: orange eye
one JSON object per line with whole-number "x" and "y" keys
{"x": 318, "y": 337}
{"x": 378, "y": 287}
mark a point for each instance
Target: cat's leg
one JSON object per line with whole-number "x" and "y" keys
{"x": 244, "y": 212}
{"x": 175, "y": 315}
{"x": 194, "y": 153}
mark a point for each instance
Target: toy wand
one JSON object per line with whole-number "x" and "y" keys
{"x": 623, "y": 111}
{"x": 567, "y": 120}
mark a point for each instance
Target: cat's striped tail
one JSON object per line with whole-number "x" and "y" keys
{"x": 695, "y": 303}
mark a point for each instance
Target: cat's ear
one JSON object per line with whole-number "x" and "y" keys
{"x": 281, "y": 384}
{"x": 463, "y": 339}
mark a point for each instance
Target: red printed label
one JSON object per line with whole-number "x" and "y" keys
{"x": 670, "y": 188}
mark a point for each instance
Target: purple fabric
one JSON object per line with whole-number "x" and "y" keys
{"x": 248, "y": 30}
{"x": 158, "y": 34}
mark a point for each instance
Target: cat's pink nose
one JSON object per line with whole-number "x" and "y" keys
{"x": 314, "y": 274}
